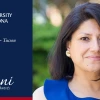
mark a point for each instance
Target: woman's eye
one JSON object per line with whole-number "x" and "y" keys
{"x": 85, "y": 38}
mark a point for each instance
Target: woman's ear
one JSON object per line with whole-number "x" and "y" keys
{"x": 68, "y": 49}
{"x": 68, "y": 45}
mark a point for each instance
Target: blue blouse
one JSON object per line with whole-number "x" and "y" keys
{"x": 59, "y": 90}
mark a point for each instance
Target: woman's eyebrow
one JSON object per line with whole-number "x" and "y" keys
{"x": 85, "y": 33}
{"x": 88, "y": 34}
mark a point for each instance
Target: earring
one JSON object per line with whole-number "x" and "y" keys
{"x": 67, "y": 53}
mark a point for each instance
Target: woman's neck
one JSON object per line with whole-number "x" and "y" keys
{"x": 89, "y": 79}
{"x": 85, "y": 84}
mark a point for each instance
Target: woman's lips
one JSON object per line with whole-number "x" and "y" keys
{"x": 96, "y": 58}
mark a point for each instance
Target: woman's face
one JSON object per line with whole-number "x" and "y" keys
{"x": 84, "y": 46}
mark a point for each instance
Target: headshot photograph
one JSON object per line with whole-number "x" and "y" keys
{"x": 66, "y": 50}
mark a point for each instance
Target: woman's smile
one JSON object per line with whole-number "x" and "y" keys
{"x": 94, "y": 58}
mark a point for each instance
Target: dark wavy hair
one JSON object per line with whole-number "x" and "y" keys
{"x": 62, "y": 66}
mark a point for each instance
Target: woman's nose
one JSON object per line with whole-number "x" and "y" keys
{"x": 96, "y": 46}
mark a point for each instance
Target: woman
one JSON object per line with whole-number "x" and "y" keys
{"x": 75, "y": 63}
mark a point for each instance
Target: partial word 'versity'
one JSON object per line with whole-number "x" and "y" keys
{"x": 5, "y": 14}
{"x": 4, "y": 17}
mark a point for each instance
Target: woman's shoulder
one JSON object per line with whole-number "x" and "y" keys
{"x": 39, "y": 94}
{"x": 52, "y": 90}
{"x": 55, "y": 89}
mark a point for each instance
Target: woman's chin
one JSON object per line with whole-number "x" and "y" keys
{"x": 93, "y": 67}
{"x": 96, "y": 69}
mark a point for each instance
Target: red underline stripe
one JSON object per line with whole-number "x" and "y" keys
{"x": 15, "y": 98}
